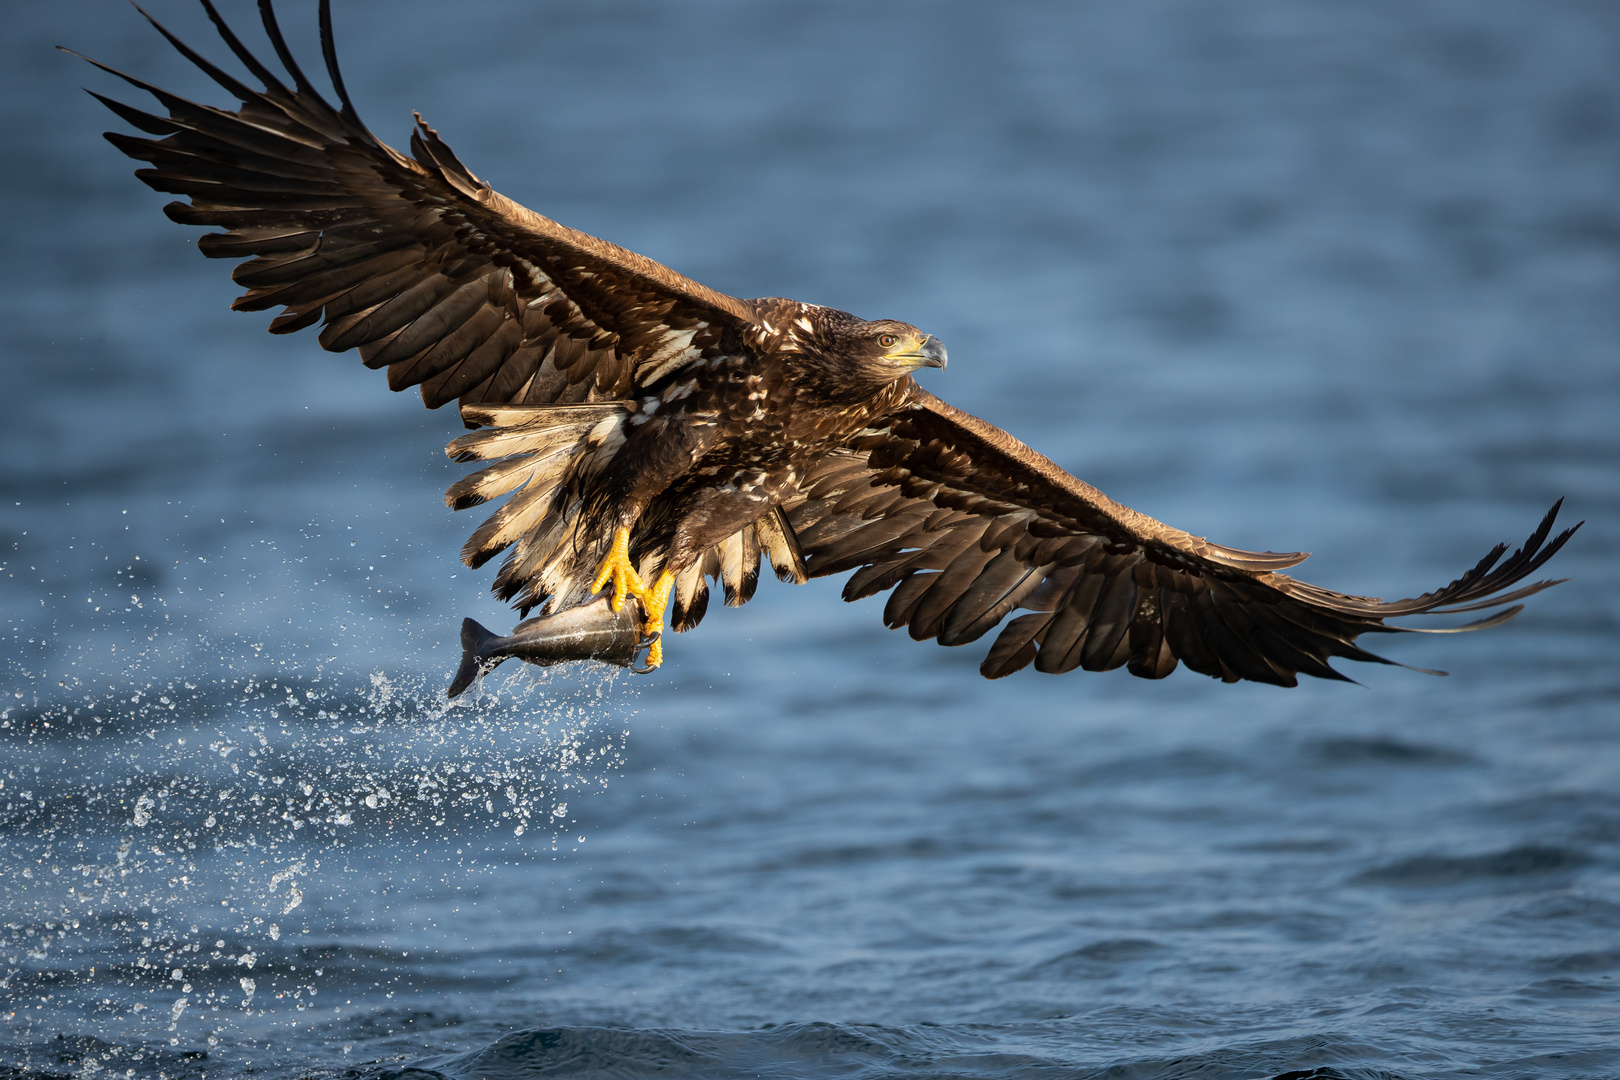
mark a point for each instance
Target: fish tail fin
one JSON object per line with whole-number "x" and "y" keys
{"x": 477, "y": 642}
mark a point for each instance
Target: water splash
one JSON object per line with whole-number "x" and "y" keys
{"x": 203, "y": 836}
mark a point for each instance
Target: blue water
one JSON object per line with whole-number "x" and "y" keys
{"x": 1296, "y": 275}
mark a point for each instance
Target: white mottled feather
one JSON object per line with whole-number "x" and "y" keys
{"x": 548, "y": 456}
{"x": 676, "y": 350}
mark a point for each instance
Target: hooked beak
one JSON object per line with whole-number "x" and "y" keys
{"x": 924, "y": 352}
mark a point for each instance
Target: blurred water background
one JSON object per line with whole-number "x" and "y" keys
{"x": 1290, "y": 274}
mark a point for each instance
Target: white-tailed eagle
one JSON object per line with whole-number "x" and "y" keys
{"x": 648, "y": 433}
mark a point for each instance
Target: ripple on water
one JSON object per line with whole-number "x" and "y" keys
{"x": 1100, "y": 959}
{"x": 817, "y": 1050}
{"x": 1384, "y": 750}
{"x": 1568, "y": 909}
{"x": 1509, "y": 864}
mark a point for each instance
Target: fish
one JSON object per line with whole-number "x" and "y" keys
{"x": 592, "y": 631}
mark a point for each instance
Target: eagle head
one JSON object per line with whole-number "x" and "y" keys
{"x": 863, "y": 357}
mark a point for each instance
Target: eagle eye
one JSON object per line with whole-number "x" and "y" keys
{"x": 887, "y": 340}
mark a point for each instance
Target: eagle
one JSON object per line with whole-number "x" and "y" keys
{"x": 649, "y": 434}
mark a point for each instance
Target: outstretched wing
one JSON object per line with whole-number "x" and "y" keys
{"x": 413, "y": 260}
{"x": 966, "y": 525}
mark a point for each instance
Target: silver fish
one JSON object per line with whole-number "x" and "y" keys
{"x": 591, "y": 631}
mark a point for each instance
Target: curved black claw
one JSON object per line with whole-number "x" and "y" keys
{"x": 646, "y": 643}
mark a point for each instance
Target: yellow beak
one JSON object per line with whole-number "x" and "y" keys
{"x": 921, "y": 352}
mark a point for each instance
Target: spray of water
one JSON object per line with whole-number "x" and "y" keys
{"x": 202, "y": 823}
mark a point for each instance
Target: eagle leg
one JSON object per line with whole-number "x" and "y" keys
{"x": 654, "y": 604}
{"x": 618, "y": 571}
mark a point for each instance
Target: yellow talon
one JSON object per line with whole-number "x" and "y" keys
{"x": 617, "y": 568}
{"x": 653, "y": 605}
{"x": 621, "y": 573}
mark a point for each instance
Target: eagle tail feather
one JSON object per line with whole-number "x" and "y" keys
{"x": 691, "y": 595}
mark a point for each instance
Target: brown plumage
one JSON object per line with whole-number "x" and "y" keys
{"x": 618, "y": 401}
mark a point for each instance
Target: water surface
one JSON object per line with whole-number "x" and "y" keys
{"x": 1294, "y": 275}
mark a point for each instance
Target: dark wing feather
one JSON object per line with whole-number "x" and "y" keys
{"x": 413, "y": 260}
{"x": 967, "y": 525}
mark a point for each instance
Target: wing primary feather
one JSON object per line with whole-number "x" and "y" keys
{"x": 243, "y": 53}
{"x": 1477, "y": 584}
{"x": 1290, "y": 646}
{"x": 231, "y": 84}
{"x": 256, "y": 242}
{"x": 1235, "y": 654}
{"x": 1496, "y": 601}
{"x": 277, "y": 268}
{"x": 1338, "y": 630}
{"x": 152, "y": 125}
{"x": 1231, "y": 610}
{"x": 267, "y": 14}
{"x": 171, "y": 101}
{"x": 1479, "y": 624}
{"x": 329, "y": 55}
